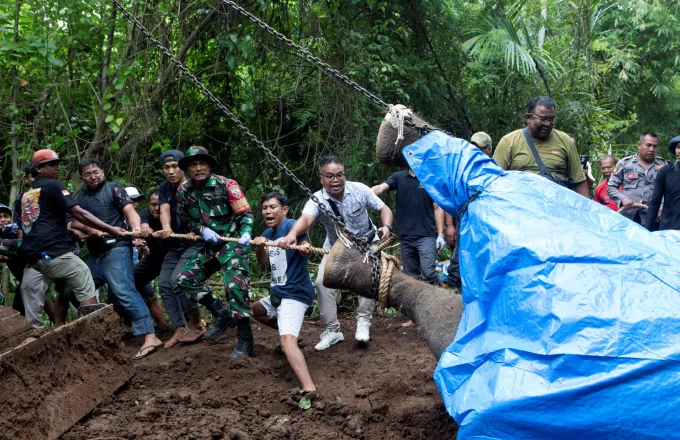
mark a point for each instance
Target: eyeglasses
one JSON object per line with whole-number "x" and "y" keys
{"x": 91, "y": 174}
{"x": 547, "y": 120}
{"x": 333, "y": 177}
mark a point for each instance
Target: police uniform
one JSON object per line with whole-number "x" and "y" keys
{"x": 636, "y": 183}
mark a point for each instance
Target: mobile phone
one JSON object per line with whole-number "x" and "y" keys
{"x": 584, "y": 160}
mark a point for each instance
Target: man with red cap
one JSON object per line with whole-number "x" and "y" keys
{"x": 45, "y": 245}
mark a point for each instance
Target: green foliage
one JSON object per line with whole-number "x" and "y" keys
{"x": 464, "y": 65}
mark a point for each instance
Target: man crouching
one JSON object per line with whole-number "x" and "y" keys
{"x": 292, "y": 291}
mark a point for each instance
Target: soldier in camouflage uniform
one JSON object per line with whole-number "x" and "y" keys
{"x": 215, "y": 206}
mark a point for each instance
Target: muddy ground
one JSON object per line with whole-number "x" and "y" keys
{"x": 383, "y": 391}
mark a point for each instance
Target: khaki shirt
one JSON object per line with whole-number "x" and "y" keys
{"x": 636, "y": 183}
{"x": 558, "y": 154}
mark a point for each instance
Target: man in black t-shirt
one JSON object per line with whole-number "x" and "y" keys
{"x": 45, "y": 243}
{"x": 176, "y": 304}
{"x": 140, "y": 248}
{"x": 667, "y": 190}
{"x": 110, "y": 259}
{"x": 420, "y": 223}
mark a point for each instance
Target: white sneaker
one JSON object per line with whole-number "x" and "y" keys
{"x": 363, "y": 330}
{"x": 329, "y": 338}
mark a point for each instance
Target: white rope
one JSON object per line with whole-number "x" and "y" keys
{"x": 396, "y": 116}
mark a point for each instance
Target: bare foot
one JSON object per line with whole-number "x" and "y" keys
{"x": 176, "y": 337}
{"x": 193, "y": 334}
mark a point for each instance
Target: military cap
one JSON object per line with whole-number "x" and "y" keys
{"x": 196, "y": 153}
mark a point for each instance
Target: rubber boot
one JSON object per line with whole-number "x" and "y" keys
{"x": 244, "y": 344}
{"x": 222, "y": 319}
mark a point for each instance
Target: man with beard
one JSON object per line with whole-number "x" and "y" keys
{"x": 110, "y": 259}
{"x": 214, "y": 206}
{"x": 667, "y": 188}
{"x": 555, "y": 149}
{"x": 169, "y": 255}
{"x": 633, "y": 180}
{"x": 349, "y": 201}
{"x": 44, "y": 207}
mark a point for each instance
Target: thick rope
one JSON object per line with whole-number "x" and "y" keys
{"x": 194, "y": 237}
{"x": 387, "y": 263}
{"x": 635, "y": 205}
{"x": 396, "y": 116}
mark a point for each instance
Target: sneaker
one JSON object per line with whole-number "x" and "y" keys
{"x": 219, "y": 325}
{"x": 363, "y": 330}
{"x": 329, "y": 338}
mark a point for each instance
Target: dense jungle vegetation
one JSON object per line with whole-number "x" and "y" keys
{"x": 78, "y": 78}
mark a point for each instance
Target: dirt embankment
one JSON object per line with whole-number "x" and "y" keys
{"x": 383, "y": 391}
{"x": 49, "y": 383}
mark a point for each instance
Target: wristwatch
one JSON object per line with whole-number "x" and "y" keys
{"x": 388, "y": 227}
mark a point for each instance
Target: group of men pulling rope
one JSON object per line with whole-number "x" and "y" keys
{"x": 196, "y": 225}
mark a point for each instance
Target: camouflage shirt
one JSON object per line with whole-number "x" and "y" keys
{"x": 219, "y": 205}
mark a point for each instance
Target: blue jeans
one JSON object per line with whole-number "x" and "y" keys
{"x": 115, "y": 270}
{"x": 418, "y": 255}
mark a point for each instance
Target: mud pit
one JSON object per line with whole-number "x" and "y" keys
{"x": 384, "y": 391}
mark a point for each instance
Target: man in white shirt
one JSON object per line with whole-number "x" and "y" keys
{"x": 348, "y": 200}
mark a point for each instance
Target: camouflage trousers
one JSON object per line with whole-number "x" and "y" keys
{"x": 205, "y": 262}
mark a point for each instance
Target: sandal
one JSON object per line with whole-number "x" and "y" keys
{"x": 145, "y": 351}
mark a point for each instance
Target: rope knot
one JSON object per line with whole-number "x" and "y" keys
{"x": 395, "y": 116}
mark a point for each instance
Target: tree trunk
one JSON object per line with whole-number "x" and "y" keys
{"x": 544, "y": 18}
{"x": 435, "y": 310}
{"x": 15, "y": 141}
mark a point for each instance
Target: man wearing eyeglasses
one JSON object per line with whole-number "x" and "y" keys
{"x": 555, "y": 148}
{"x": 349, "y": 201}
{"x": 110, "y": 258}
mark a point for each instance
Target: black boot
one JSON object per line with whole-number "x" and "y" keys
{"x": 244, "y": 344}
{"x": 222, "y": 319}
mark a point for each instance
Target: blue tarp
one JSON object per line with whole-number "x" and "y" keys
{"x": 571, "y": 328}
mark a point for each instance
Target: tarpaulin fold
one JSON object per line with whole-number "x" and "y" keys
{"x": 571, "y": 326}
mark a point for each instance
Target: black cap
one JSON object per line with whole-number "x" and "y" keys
{"x": 672, "y": 144}
{"x": 5, "y": 208}
{"x": 171, "y": 155}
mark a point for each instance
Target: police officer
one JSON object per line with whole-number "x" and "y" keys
{"x": 636, "y": 175}
{"x": 214, "y": 206}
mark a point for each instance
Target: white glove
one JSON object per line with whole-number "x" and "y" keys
{"x": 440, "y": 243}
{"x": 244, "y": 240}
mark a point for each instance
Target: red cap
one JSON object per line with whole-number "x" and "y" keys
{"x": 43, "y": 156}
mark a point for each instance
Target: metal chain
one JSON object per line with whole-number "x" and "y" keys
{"x": 306, "y": 55}
{"x": 330, "y": 71}
{"x": 361, "y": 242}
